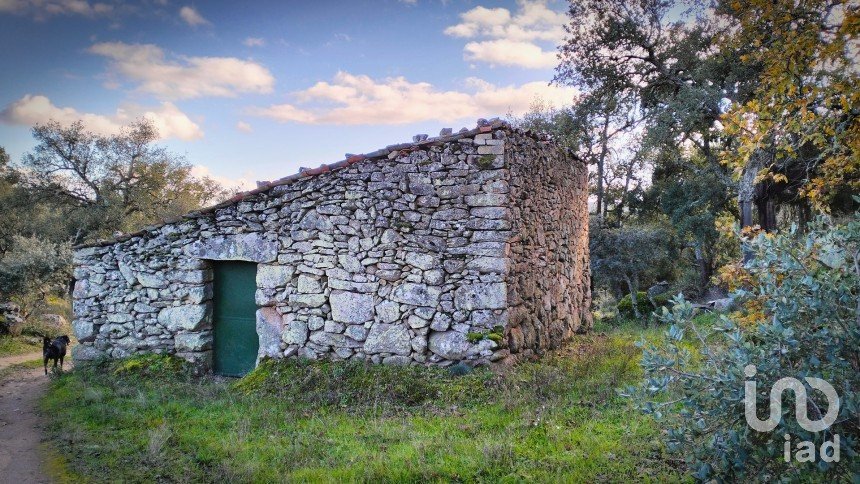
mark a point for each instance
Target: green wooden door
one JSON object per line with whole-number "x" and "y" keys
{"x": 234, "y": 317}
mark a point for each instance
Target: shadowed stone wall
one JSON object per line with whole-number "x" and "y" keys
{"x": 464, "y": 247}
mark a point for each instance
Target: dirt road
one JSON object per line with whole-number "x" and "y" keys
{"x": 21, "y": 455}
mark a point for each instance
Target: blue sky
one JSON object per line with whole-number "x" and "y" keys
{"x": 254, "y": 90}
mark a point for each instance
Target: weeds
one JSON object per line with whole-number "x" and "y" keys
{"x": 559, "y": 418}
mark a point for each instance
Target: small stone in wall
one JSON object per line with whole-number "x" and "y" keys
{"x": 201, "y": 341}
{"x": 269, "y": 276}
{"x": 388, "y": 338}
{"x": 307, "y": 300}
{"x": 183, "y": 318}
{"x": 422, "y": 261}
{"x": 86, "y": 353}
{"x": 270, "y": 325}
{"x": 356, "y": 332}
{"x": 416, "y": 294}
{"x": 351, "y": 307}
{"x": 295, "y": 332}
{"x": 84, "y": 330}
{"x": 388, "y": 311}
{"x": 309, "y": 284}
{"x": 491, "y": 295}
{"x": 451, "y": 345}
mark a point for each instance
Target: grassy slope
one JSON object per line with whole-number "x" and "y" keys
{"x": 557, "y": 419}
{"x": 17, "y": 345}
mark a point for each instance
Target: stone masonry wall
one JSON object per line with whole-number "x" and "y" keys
{"x": 404, "y": 257}
{"x": 549, "y": 292}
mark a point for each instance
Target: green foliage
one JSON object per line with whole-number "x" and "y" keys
{"x": 629, "y": 257}
{"x": 558, "y": 419}
{"x": 625, "y": 305}
{"x": 109, "y": 183}
{"x": 809, "y": 290}
{"x": 804, "y": 109}
{"x": 32, "y": 270}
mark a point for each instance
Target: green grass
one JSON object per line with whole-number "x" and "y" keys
{"x": 557, "y": 419}
{"x": 18, "y": 345}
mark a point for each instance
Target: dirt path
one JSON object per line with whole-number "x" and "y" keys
{"x": 12, "y": 360}
{"x": 21, "y": 457}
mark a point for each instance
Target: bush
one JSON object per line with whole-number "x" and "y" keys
{"x": 32, "y": 271}
{"x": 807, "y": 298}
{"x": 625, "y": 305}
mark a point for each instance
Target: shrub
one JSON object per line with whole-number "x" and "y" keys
{"x": 808, "y": 289}
{"x": 625, "y": 305}
{"x": 33, "y": 270}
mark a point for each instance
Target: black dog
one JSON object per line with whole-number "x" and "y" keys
{"x": 54, "y": 350}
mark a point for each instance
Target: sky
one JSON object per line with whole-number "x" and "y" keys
{"x": 249, "y": 91}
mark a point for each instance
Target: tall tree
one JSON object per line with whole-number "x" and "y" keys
{"x": 109, "y": 183}
{"x": 661, "y": 58}
{"x": 799, "y": 133}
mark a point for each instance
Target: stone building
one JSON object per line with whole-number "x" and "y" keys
{"x": 464, "y": 247}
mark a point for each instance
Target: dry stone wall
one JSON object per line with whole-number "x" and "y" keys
{"x": 549, "y": 292}
{"x": 421, "y": 253}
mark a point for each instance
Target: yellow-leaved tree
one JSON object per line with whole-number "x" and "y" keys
{"x": 801, "y": 128}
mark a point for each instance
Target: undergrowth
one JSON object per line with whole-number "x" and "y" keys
{"x": 557, "y": 419}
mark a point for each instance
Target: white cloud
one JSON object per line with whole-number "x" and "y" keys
{"x": 510, "y": 53}
{"x": 190, "y": 77}
{"x": 192, "y": 17}
{"x": 254, "y": 42}
{"x": 244, "y": 127}
{"x": 168, "y": 119}
{"x": 42, "y": 9}
{"x": 360, "y": 100}
{"x": 524, "y": 39}
{"x": 243, "y": 183}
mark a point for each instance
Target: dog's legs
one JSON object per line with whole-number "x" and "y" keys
{"x": 61, "y": 362}
{"x": 46, "y": 365}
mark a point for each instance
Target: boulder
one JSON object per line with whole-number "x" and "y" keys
{"x": 54, "y": 321}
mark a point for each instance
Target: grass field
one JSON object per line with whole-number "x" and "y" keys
{"x": 557, "y": 419}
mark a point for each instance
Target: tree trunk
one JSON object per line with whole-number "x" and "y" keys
{"x": 706, "y": 266}
{"x": 633, "y": 286}
{"x": 601, "y": 160}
